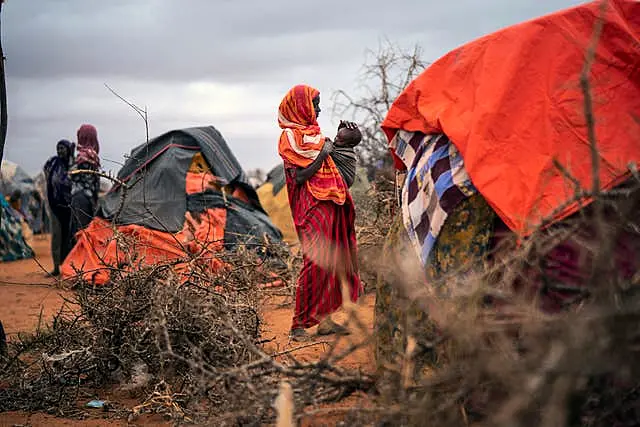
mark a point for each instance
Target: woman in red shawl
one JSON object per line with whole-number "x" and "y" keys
{"x": 323, "y": 214}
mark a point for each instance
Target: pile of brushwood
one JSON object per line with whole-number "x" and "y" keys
{"x": 508, "y": 364}
{"x": 191, "y": 348}
{"x": 375, "y": 209}
{"x": 188, "y": 349}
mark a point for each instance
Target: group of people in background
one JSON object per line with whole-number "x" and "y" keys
{"x": 72, "y": 191}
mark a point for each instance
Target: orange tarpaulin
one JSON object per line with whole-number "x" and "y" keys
{"x": 97, "y": 251}
{"x": 512, "y": 103}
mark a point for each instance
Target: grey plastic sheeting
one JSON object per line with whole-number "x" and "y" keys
{"x": 156, "y": 198}
{"x": 276, "y": 178}
{"x": 156, "y": 172}
{"x": 245, "y": 225}
{"x": 206, "y": 139}
{"x": 19, "y": 181}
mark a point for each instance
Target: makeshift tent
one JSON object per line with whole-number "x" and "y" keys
{"x": 512, "y": 104}
{"x": 182, "y": 174}
{"x": 105, "y": 186}
{"x": 256, "y": 177}
{"x": 275, "y": 199}
{"x": 13, "y": 245}
{"x": 14, "y": 177}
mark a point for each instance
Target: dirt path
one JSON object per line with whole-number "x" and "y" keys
{"x": 26, "y": 291}
{"x": 28, "y": 297}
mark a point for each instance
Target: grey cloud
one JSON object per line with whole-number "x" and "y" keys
{"x": 60, "y": 52}
{"x": 236, "y": 40}
{"x": 44, "y": 112}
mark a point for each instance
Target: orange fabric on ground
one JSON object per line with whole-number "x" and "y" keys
{"x": 301, "y": 142}
{"x": 512, "y": 103}
{"x": 97, "y": 252}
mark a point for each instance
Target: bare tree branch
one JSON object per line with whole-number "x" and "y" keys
{"x": 384, "y": 75}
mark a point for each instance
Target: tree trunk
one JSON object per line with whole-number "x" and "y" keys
{"x": 3, "y": 97}
{"x": 3, "y": 100}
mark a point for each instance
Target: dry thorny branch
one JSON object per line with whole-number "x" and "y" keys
{"x": 375, "y": 208}
{"x": 189, "y": 345}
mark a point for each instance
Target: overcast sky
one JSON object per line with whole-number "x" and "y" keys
{"x": 225, "y": 63}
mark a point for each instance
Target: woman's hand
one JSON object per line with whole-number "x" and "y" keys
{"x": 345, "y": 124}
{"x": 304, "y": 174}
{"x": 328, "y": 146}
{"x": 349, "y": 134}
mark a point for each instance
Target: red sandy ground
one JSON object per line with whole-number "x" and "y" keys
{"x": 28, "y": 297}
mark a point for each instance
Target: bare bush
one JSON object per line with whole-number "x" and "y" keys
{"x": 510, "y": 364}
{"x": 375, "y": 209}
{"x": 186, "y": 345}
{"x": 385, "y": 73}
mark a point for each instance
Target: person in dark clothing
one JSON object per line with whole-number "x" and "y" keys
{"x": 56, "y": 171}
{"x": 36, "y": 212}
{"x": 85, "y": 186}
